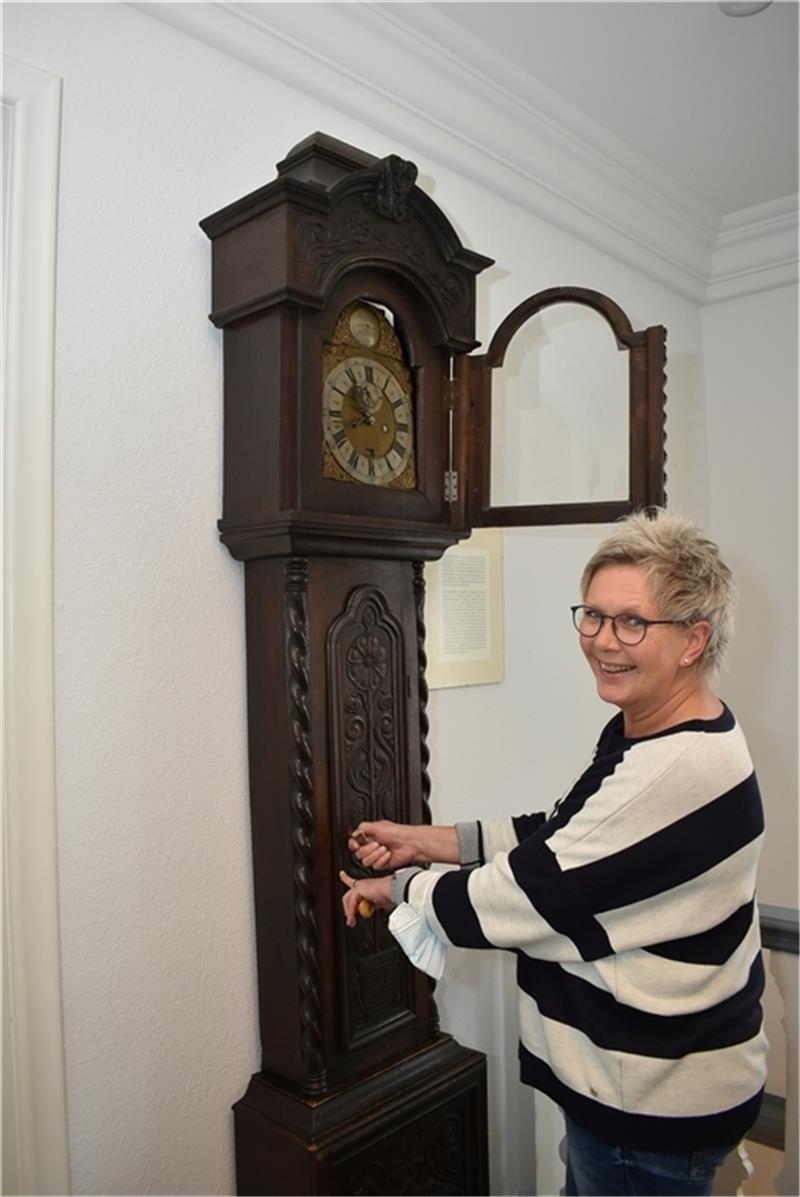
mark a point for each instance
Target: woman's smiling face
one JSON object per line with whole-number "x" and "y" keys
{"x": 644, "y": 679}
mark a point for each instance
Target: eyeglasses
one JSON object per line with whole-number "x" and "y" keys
{"x": 628, "y": 629}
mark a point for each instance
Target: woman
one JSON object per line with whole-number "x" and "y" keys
{"x": 631, "y": 904}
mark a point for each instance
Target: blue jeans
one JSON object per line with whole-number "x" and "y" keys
{"x": 598, "y": 1169}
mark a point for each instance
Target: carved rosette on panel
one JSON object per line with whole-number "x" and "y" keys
{"x": 368, "y": 734}
{"x": 301, "y": 804}
{"x": 427, "y": 1159}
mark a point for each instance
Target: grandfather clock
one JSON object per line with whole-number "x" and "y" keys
{"x": 357, "y": 447}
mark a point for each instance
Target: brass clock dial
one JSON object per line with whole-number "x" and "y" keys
{"x": 367, "y": 420}
{"x": 367, "y": 415}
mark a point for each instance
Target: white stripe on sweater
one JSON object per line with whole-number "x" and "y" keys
{"x": 696, "y": 905}
{"x": 498, "y": 836}
{"x": 660, "y": 986}
{"x": 629, "y": 803}
{"x": 688, "y": 1087}
{"x": 508, "y": 919}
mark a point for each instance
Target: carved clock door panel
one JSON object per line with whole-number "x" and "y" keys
{"x": 368, "y": 633}
{"x": 341, "y": 640}
{"x": 564, "y": 421}
{"x": 371, "y": 710}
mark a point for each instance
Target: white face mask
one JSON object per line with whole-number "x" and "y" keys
{"x": 424, "y": 949}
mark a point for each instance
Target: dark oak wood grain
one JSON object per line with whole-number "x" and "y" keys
{"x": 358, "y": 1090}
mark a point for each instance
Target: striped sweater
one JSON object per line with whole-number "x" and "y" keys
{"x": 631, "y": 910}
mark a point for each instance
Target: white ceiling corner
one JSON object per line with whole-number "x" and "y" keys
{"x": 452, "y": 97}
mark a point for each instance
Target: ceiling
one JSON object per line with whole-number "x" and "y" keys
{"x": 663, "y": 133}
{"x": 712, "y": 100}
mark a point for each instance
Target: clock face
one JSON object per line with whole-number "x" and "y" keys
{"x": 367, "y": 420}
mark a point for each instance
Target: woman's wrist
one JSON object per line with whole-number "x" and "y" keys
{"x": 470, "y": 845}
{"x": 435, "y": 844}
{"x": 399, "y": 883}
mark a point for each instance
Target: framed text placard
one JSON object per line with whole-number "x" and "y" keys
{"x": 464, "y": 613}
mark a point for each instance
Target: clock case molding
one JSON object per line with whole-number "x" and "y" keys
{"x": 286, "y": 260}
{"x": 359, "y": 1089}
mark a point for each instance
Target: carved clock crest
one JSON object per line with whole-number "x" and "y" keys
{"x": 358, "y": 447}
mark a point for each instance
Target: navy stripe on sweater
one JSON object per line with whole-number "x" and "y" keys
{"x": 454, "y": 910}
{"x": 678, "y": 853}
{"x": 557, "y": 899}
{"x": 643, "y": 1131}
{"x": 526, "y": 825}
{"x": 613, "y": 1026}
{"x": 587, "y": 784}
{"x": 714, "y": 946}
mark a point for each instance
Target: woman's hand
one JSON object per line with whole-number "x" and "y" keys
{"x": 384, "y": 846}
{"x": 362, "y": 895}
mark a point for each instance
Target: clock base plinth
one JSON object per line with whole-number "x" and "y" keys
{"x": 417, "y": 1126}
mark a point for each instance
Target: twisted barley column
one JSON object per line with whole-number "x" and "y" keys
{"x": 302, "y": 815}
{"x": 664, "y": 412}
{"x": 422, "y": 683}
{"x": 424, "y": 728}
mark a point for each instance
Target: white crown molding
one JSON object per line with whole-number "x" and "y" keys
{"x": 415, "y": 77}
{"x": 37, "y": 1149}
{"x": 756, "y": 250}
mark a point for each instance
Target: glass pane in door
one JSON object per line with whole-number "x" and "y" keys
{"x": 559, "y": 430}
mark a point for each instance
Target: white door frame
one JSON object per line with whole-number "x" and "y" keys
{"x": 35, "y": 1144}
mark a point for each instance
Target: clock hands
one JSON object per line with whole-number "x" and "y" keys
{"x": 369, "y": 421}
{"x": 367, "y": 402}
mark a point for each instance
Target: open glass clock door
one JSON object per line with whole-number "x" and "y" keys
{"x": 566, "y": 415}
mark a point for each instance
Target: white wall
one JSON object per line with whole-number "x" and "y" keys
{"x": 750, "y": 376}
{"x": 154, "y": 858}
{"x": 751, "y": 384}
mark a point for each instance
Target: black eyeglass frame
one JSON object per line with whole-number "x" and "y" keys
{"x": 646, "y": 623}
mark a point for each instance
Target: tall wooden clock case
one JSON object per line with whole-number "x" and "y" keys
{"x": 351, "y": 408}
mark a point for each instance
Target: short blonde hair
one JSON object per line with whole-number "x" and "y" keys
{"x": 689, "y": 579}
